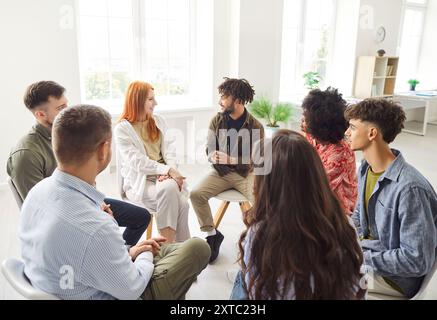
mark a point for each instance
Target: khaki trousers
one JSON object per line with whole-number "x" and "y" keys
{"x": 176, "y": 268}
{"x": 211, "y": 186}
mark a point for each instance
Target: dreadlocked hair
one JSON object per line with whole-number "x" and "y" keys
{"x": 238, "y": 88}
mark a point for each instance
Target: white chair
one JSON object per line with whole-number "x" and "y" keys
{"x": 13, "y": 270}
{"x": 152, "y": 214}
{"x": 427, "y": 291}
{"x": 15, "y": 192}
{"x": 227, "y": 197}
{"x": 120, "y": 182}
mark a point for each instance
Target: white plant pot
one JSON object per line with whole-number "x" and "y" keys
{"x": 270, "y": 131}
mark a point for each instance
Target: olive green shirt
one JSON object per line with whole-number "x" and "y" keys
{"x": 153, "y": 149}
{"x": 371, "y": 181}
{"x": 32, "y": 160}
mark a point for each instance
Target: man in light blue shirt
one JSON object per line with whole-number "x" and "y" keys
{"x": 73, "y": 249}
{"x": 33, "y": 160}
{"x": 396, "y": 214}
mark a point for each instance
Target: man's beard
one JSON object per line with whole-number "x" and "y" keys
{"x": 229, "y": 110}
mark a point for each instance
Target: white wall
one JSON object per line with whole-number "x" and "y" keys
{"x": 427, "y": 62}
{"x": 344, "y": 54}
{"x": 260, "y": 45}
{"x": 356, "y": 24}
{"x": 34, "y": 47}
{"x": 226, "y": 22}
{"x": 248, "y": 43}
{"x": 373, "y": 14}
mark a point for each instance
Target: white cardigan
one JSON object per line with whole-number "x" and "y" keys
{"x": 133, "y": 163}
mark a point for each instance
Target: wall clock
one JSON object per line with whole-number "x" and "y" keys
{"x": 380, "y": 34}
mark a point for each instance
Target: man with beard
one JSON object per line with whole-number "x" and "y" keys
{"x": 33, "y": 160}
{"x": 232, "y": 134}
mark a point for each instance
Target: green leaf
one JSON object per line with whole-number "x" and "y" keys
{"x": 261, "y": 108}
{"x": 413, "y": 82}
{"x": 312, "y": 79}
{"x": 283, "y": 112}
{"x": 264, "y": 109}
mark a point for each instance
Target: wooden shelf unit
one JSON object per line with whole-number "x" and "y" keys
{"x": 375, "y": 76}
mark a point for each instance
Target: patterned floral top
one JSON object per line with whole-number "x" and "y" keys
{"x": 339, "y": 162}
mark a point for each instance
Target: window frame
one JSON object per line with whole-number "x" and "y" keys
{"x": 300, "y": 47}
{"x": 407, "y": 5}
{"x": 166, "y": 103}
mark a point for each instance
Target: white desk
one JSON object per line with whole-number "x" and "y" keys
{"x": 417, "y": 99}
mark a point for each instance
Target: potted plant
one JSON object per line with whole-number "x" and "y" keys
{"x": 264, "y": 109}
{"x": 413, "y": 83}
{"x": 312, "y": 80}
{"x": 381, "y": 52}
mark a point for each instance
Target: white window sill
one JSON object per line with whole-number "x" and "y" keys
{"x": 172, "y": 110}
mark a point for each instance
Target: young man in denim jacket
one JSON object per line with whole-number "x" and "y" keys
{"x": 396, "y": 214}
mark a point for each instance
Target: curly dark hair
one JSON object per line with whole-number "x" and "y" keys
{"x": 238, "y": 88}
{"x": 388, "y": 115}
{"x": 324, "y": 115}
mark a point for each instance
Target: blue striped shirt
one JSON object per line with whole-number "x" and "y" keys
{"x": 74, "y": 250}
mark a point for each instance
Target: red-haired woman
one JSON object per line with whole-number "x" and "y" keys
{"x": 147, "y": 163}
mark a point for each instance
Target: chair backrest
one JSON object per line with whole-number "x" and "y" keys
{"x": 428, "y": 289}
{"x": 120, "y": 179}
{"x": 13, "y": 270}
{"x": 15, "y": 192}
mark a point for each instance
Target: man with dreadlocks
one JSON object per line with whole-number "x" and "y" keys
{"x": 232, "y": 133}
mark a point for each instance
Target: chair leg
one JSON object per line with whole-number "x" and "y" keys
{"x": 245, "y": 206}
{"x": 220, "y": 213}
{"x": 150, "y": 228}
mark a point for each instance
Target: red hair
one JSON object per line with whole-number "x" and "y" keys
{"x": 134, "y": 107}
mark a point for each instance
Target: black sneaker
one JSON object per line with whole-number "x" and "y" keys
{"x": 214, "y": 243}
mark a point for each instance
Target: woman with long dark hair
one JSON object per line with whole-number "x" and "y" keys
{"x": 299, "y": 244}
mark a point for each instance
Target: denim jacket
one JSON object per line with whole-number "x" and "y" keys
{"x": 402, "y": 215}
{"x": 239, "y": 291}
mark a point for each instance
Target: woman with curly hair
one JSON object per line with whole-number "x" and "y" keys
{"x": 299, "y": 244}
{"x": 324, "y": 125}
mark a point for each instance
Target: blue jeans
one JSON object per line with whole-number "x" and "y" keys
{"x": 239, "y": 291}
{"x": 134, "y": 218}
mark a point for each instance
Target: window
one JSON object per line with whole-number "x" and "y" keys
{"x": 307, "y": 40}
{"x": 413, "y": 23}
{"x": 150, "y": 40}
